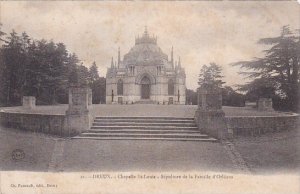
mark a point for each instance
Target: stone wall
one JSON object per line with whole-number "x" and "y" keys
{"x": 51, "y": 124}
{"x": 265, "y": 104}
{"x": 76, "y": 119}
{"x": 252, "y": 125}
{"x": 28, "y": 102}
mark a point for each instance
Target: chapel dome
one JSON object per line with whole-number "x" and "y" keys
{"x": 145, "y": 52}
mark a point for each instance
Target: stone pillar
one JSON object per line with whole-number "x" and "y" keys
{"x": 265, "y": 104}
{"x": 209, "y": 116}
{"x": 77, "y": 115}
{"x": 28, "y": 102}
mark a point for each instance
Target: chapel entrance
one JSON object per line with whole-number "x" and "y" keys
{"x": 145, "y": 88}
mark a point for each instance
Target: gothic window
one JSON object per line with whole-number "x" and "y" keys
{"x": 120, "y": 87}
{"x": 132, "y": 68}
{"x": 171, "y": 87}
{"x": 159, "y": 70}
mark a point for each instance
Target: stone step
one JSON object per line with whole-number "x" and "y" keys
{"x": 145, "y": 101}
{"x": 142, "y": 131}
{"x": 146, "y": 117}
{"x": 167, "y": 135}
{"x": 206, "y": 139}
{"x": 143, "y": 124}
{"x": 143, "y": 120}
{"x": 145, "y": 127}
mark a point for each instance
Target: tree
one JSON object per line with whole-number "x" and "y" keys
{"x": 231, "y": 97}
{"x": 191, "y": 97}
{"x": 47, "y": 73}
{"x": 210, "y": 76}
{"x": 14, "y": 67}
{"x": 1, "y": 34}
{"x": 40, "y": 68}
{"x": 93, "y": 73}
{"x": 2, "y": 67}
{"x": 72, "y": 65}
{"x": 98, "y": 89}
{"x": 278, "y": 69}
{"x": 83, "y": 75}
{"x": 43, "y": 69}
{"x": 97, "y": 84}
{"x": 258, "y": 88}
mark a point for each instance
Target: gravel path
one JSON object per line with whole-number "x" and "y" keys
{"x": 48, "y": 153}
{"x": 269, "y": 153}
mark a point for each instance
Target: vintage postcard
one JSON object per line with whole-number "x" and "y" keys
{"x": 149, "y": 97}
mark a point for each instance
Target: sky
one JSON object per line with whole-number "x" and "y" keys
{"x": 201, "y": 32}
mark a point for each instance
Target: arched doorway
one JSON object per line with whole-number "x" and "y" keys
{"x": 145, "y": 88}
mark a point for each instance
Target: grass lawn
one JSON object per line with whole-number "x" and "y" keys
{"x": 36, "y": 147}
{"x": 94, "y": 155}
{"x": 138, "y": 155}
{"x": 271, "y": 153}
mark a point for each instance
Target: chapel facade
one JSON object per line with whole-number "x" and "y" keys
{"x": 145, "y": 75}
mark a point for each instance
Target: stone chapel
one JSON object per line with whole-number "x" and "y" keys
{"x": 145, "y": 75}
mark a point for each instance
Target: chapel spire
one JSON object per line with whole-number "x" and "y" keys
{"x": 119, "y": 57}
{"x": 146, "y": 38}
{"x": 112, "y": 62}
{"x": 172, "y": 59}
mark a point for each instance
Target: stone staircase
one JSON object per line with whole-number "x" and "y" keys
{"x": 145, "y": 101}
{"x": 144, "y": 128}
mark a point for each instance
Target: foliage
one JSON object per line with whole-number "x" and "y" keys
{"x": 191, "y": 97}
{"x": 229, "y": 97}
{"x": 97, "y": 84}
{"x": 1, "y": 34}
{"x": 210, "y": 75}
{"x": 39, "y": 68}
{"x": 258, "y": 88}
{"x": 278, "y": 69}
{"x": 98, "y": 88}
{"x": 232, "y": 98}
{"x": 93, "y": 73}
{"x": 2, "y": 67}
